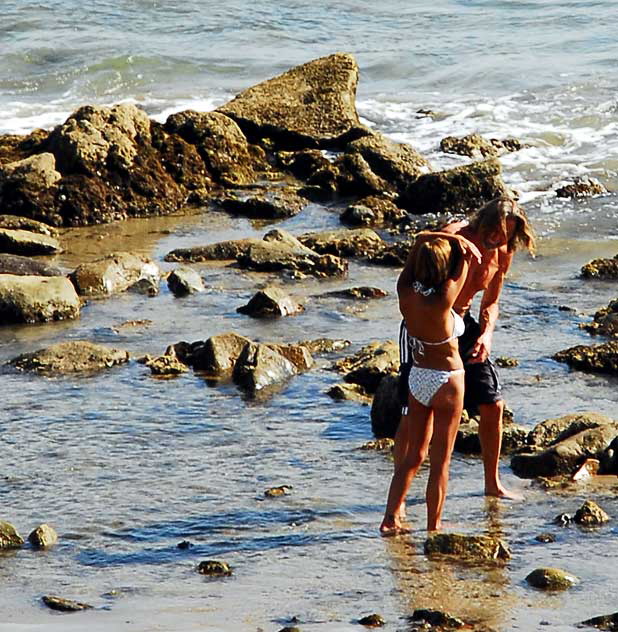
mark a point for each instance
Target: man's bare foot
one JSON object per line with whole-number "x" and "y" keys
{"x": 391, "y": 525}
{"x": 501, "y": 492}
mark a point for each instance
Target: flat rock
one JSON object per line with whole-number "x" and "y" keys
{"x": 16, "y": 222}
{"x": 25, "y": 266}
{"x": 220, "y": 251}
{"x": 274, "y": 203}
{"x": 70, "y": 357}
{"x": 34, "y": 299}
{"x": 471, "y": 548}
{"x": 358, "y": 242}
{"x": 312, "y": 105}
{"x": 556, "y": 429}
{"x": 363, "y": 292}
{"x": 27, "y": 243}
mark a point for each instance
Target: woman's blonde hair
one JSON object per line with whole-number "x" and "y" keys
{"x": 434, "y": 262}
{"x": 495, "y": 214}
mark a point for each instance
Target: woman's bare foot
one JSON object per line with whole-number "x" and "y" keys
{"x": 499, "y": 491}
{"x": 391, "y": 525}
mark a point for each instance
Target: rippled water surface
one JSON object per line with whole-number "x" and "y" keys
{"x": 126, "y": 466}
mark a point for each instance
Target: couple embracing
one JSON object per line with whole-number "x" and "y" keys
{"x": 445, "y": 364}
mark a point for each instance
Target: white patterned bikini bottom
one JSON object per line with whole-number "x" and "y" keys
{"x": 425, "y": 383}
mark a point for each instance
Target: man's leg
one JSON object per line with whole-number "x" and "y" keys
{"x": 490, "y": 435}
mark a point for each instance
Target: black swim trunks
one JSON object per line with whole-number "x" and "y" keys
{"x": 482, "y": 381}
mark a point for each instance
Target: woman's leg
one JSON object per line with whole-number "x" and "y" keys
{"x": 447, "y": 406}
{"x": 411, "y": 447}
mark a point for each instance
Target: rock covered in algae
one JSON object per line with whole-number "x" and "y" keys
{"x": 214, "y": 568}
{"x": 590, "y": 514}
{"x": 9, "y": 537}
{"x": 548, "y": 578}
{"x": 471, "y": 548}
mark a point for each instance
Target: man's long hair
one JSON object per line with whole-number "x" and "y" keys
{"x": 495, "y": 214}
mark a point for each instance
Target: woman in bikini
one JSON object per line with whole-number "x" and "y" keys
{"x": 427, "y": 288}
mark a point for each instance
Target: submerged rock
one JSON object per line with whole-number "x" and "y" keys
{"x": 379, "y": 445}
{"x": 601, "y": 269}
{"x": 166, "y": 365}
{"x": 372, "y": 621}
{"x": 16, "y": 222}
{"x": 551, "y": 579}
{"x": 220, "y": 251}
{"x": 214, "y": 568}
{"x": 325, "y": 345}
{"x": 270, "y": 302}
{"x": 437, "y": 618}
{"x": 475, "y": 146}
{"x": 373, "y": 210}
{"x": 590, "y": 514}
{"x": 64, "y": 605}
{"x": 70, "y": 357}
{"x": 281, "y": 490}
{"x": 43, "y": 537}
{"x": 470, "y": 548}
{"x": 9, "y": 537}
{"x": 363, "y": 292}
{"x": 601, "y": 358}
{"x": 349, "y": 392}
{"x": 35, "y": 299}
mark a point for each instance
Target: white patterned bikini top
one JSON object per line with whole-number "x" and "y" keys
{"x": 417, "y": 346}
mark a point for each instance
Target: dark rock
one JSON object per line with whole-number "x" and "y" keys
{"x": 372, "y": 621}
{"x": 514, "y": 438}
{"x": 357, "y": 242}
{"x": 596, "y": 358}
{"x": 24, "y": 266}
{"x": 563, "y": 519}
{"x": 325, "y": 345}
{"x": 219, "y": 251}
{"x": 545, "y": 538}
{"x": 270, "y": 302}
{"x": 148, "y": 286}
{"x": 309, "y": 106}
{"x": 362, "y": 292}
{"x": 214, "y": 568}
{"x": 33, "y": 299}
{"x": 16, "y": 222}
{"x": 166, "y": 365}
{"x": 557, "y": 429}
{"x": 607, "y": 622}
{"x": 64, "y": 605}
{"x": 184, "y": 281}
{"x": 581, "y": 187}
{"x": 438, "y": 619}
{"x": 356, "y": 178}
{"x": 217, "y": 355}
{"x": 43, "y": 537}
{"x": 379, "y": 445}
{"x": 386, "y": 408}
{"x": 258, "y": 368}
{"x": 281, "y": 490}
{"x": 551, "y": 579}
{"x": 113, "y": 273}
{"x": 369, "y": 365}
{"x": 304, "y": 164}
{"x": 273, "y": 203}
{"x": 471, "y": 548}
{"x": 472, "y": 145}
{"x": 505, "y": 362}
{"x": 184, "y": 545}
{"x": 373, "y": 210}
{"x": 349, "y": 392}
{"x": 393, "y": 254}
{"x": 70, "y": 357}
{"x": 9, "y": 538}
{"x": 601, "y": 269}
{"x": 590, "y": 514}
{"x": 462, "y": 189}
{"x": 27, "y": 243}
{"x": 605, "y": 321}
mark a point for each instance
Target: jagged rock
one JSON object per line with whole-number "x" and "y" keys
{"x": 606, "y": 622}
{"x": 113, "y": 273}
{"x": 35, "y": 172}
{"x": 298, "y": 355}
{"x": 270, "y": 302}
{"x": 166, "y": 365}
{"x": 605, "y": 320}
{"x": 475, "y": 146}
{"x": 325, "y": 345}
{"x": 590, "y": 514}
{"x": 462, "y": 189}
{"x": 471, "y": 548}
{"x": 357, "y": 242}
{"x": 437, "y": 619}
{"x": 562, "y": 458}
{"x": 581, "y": 187}
{"x": 64, "y": 605}
{"x": 372, "y": 621}
{"x": 379, "y": 445}
{"x": 386, "y": 408}
{"x": 184, "y": 281}
{"x": 373, "y": 211}
{"x": 220, "y": 251}
{"x": 43, "y": 537}
{"x": 596, "y": 358}
{"x": 349, "y": 392}
{"x": 551, "y": 579}
{"x": 355, "y": 177}
{"x": 32, "y": 299}
{"x": 281, "y": 490}
{"x": 229, "y": 157}
{"x": 393, "y": 254}
{"x": 312, "y": 105}
{"x": 514, "y": 438}
{"x": 25, "y": 242}
{"x": 9, "y": 538}
{"x": 361, "y": 292}
{"x": 556, "y": 429}
{"x": 24, "y": 266}
{"x": 217, "y": 355}
{"x": 16, "y": 222}
{"x": 601, "y": 269}
{"x": 273, "y": 203}
{"x": 258, "y": 367}
{"x": 303, "y": 164}
{"x": 148, "y": 286}
{"x": 70, "y": 357}
{"x": 369, "y": 365}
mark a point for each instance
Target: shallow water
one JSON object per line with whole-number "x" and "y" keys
{"x": 125, "y": 466}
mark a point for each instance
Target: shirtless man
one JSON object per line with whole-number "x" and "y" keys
{"x": 498, "y": 229}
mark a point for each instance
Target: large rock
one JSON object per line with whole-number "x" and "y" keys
{"x": 562, "y": 458}
{"x": 16, "y": 222}
{"x": 184, "y": 281}
{"x": 259, "y": 367}
{"x": 596, "y": 358}
{"x": 470, "y": 548}
{"x": 299, "y": 355}
{"x": 113, "y": 273}
{"x": 312, "y": 105}
{"x": 25, "y": 242}
{"x": 590, "y": 514}
{"x": 458, "y": 190}
{"x": 32, "y": 299}
{"x": 357, "y": 242}
{"x": 9, "y": 538}
{"x": 220, "y": 251}
{"x": 386, "y": 407}
{"x": 217, "y": 355}
{"x": 227, "y": 154}
{"x": 25, "y": 266}
{"x": 35, "y": 172}
{"x": 266, "y": 203}
{"x": 601, "y": 269}
{"x": 605, "y": 321}
{"x": 557, "y": 429}
{"x": 70, "y": 357}
{"x": 43, "y": 537}
{"x": 370, "y": 365}
{"x": 270, "y": 302}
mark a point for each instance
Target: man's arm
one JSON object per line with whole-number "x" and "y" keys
{"x": 490, "y": 309}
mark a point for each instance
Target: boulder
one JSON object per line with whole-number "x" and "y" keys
{"x": 605, "y": 321}
{"x": 349, "y": 392}
{"x": 354, "y": 177}
{"x": 64, "y": 605}
{"x": 274, "y": 203}
{"x": 309, "y": 106}
{"x": 223, "y": 147}
{"x": 25, "y": 242}
{"x": 373, "y": 210}
{"x": 368, "y": 366}
{"x": 590, "y": 514}
{"x": 551, "y": 579}
{"x": 113, "y": 273}
{"x": 357, "y": 242}
{"x": 386, "y": 408}
{"x": 556, "y": 429}
{"x": 259, "y": 367}
{"x": 166, "y": 366}
{"x": 25, "y": 266}
{"x": 470, "y": 548}
{"x": 34, "y": 173}
{"x": 220, "y": 251}
{"x": 70, "y": 357}
{"x": 581, "y": 187}
{"x": 9, "y": 538}
{"x": 298, "y": 355}
{"x": 459, "y": 190}
{"x": 563, "y": 457}
{"x": 33, "y": 299}
{"x": 303, "y": 164}
{"x": 270, "y": 302}
{"x": 217, "y": 355}
{"x": 601, "y": 358}
{"x": 16, "y": 222}
{"x": 184, "y": 281}
{"x": 43, "y": 537}
{"x": 601, "y": 269}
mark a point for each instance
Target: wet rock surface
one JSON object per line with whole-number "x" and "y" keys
{"x": 386, "y": 407}
{"x": 274, "y": 203}
{"x": 581, "y": 187}
{"x": 370, "y": 364}
{"x": 217, "y": 355}
{"x": 17, "y": 222}
{"x": 214, "y": 568}
{"x": 220, "y": 251}
{"x": 25, "y": 266}
{"x": 349, "y": 392}
{"x": 43, "y": 537}
{"x": 258, "y": 368}
{"x": 373, "y": 211}
{"x": 64, "y": 605}
{"x": 590, "y": 514}
{"x": 372, "y": 621}
{"x": 601, "y": 269}
{"x": 476, "y": 146}
{"x": 184, "y": 281}
{"x": 606, "y": 622}
{"x": 361, "y": 293}
{"x": 436, "y": 619}
{"x": 357, "y": 242}
{"x": 270, "y": 303}
{"x": 605, "y": 321}
{"x": 27, "y": 243}
{"x": 551, "y": 579}
{"x": 601, "y": 358}
{"x": 471, "y": 548}
{"x": 9, "y": 537}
